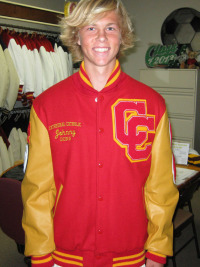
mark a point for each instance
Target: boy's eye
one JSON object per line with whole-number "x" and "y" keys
{"x": 91, "y": 29}
{"x": 110, "y": 29}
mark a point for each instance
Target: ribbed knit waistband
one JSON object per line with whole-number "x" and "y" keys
{"x": 91, "y": 259}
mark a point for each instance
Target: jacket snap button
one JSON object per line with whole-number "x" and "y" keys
{"x": 100, "y": 232}
{"x": 99, "y": 98}
{"x": 101, "y": 130}
{"x": 100, "y": 165}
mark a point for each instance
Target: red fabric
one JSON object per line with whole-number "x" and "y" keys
{"x": 66, "y": 123}
{"x": 88, "y": 259}
{"x": 156, "y": 258}
{"x": 6, "y": 37}
{"x": 19, "y": 39}
{"x": 29, "y": 95}
{"x": 20, "y": 93}
{"x": 42, "y": 261}
{"x": 191, "y": 61}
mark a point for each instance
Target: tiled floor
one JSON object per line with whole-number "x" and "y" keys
{"x": 9, "y": 256}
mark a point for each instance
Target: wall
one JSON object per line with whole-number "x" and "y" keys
{"x": 148, "y": 17}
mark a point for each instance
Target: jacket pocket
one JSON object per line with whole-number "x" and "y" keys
{"x": 57, "y": 199}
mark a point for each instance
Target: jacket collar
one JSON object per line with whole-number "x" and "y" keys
{"x": 112, "y": 81}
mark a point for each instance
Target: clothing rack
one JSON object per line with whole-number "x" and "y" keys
{"x": 21, "y": 18}
{"x": 18, "y": 28}
{"x": 6, "y": 114}
{"x": 15, "y": 110}
{"x": 30, "y": 18}
{"x": 13, "y": 26}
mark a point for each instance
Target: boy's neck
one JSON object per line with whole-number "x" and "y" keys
{"x": 99, "y": 75}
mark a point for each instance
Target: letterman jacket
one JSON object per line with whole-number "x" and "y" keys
{"x": 98, "y": 189}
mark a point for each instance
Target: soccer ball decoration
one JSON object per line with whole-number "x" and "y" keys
{"x": 182, "y": 27}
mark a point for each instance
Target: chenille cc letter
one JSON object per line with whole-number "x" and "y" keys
{"x": 131, "y": 128}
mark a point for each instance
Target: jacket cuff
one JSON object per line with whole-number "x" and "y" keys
{"x": 156, "y": 257}
{"x": 42, "y": 261}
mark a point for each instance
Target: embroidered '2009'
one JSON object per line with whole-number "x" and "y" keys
{"x": 131, "y": 128}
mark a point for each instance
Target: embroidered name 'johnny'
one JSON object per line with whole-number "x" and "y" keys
{"x": 62, "y": 132}
{"x": 132, "y": 126}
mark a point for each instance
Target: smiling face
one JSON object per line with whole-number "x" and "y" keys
{"x": 100, "y": 42}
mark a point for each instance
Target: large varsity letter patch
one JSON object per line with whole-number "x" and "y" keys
{"x": 131, "y": 128}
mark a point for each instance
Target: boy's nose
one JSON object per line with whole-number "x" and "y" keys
{"x": 102, "y": 35}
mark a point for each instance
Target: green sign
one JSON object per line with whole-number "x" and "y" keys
{"x": 161, "y": 55}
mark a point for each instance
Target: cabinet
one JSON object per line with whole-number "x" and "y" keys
{"x": 181, "y": 91}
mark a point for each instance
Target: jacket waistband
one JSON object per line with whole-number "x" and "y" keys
{"x": 91, "y": 259}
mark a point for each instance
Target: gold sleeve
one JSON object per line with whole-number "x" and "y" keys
{"x": 161, "y": 194}
{"x": 38, "y": 191}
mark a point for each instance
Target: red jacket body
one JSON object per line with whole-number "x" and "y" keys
{"x": 98, "y": 189}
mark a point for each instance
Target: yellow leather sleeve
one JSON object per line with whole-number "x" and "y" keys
{"x": 161, "y": 194}
{"x": 38, "y": 192}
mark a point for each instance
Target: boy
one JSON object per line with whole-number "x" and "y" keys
{"x": 98, "y": 189}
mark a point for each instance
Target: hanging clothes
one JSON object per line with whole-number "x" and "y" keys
{"x": 59, "y": 75}
{"x": 38, "y": 61}
{"x": 38, "y": 70}
{"x": 4, "y": 78}
{"x": 47, "y": 63}
{"x": 13, "y": 79}
{"x": 1, "y": 167}
{"x": 15, "y": 52}
{"x": 23, "y": 142}
{"x": 15, "y": 144}
{"x": 5, "y": 159}
{"x": 18, "y": 118}
{"x": 29, "y": 77}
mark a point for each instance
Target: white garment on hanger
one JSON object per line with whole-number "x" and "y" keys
{"x": 1, "y": 168}
{"x": 58, "y": 65}
{"x": 16, "y": 54}
{"x": 14, "y": 82}
{"x": 5, "y": 159}
{"x": 60, "y": 60}
{"x": 15, "y": 142}
{"x": 22, "y": 143}
{"x": 64, "y": 61}
{"x": 57, "y": 74}
{"x": 11, "y": 156}
{"x": 29, "y": 76}
{"x": 4, "y": 78}
{"x": 47, "y": 66}
{"x": 38, "y": 73}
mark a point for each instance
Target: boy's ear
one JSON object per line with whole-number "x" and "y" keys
{"x": 78, "y": 39}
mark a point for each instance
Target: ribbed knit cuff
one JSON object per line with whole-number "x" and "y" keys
{"x": 42, "y": 261}
{"x": 20, "y": 93}
{"x": 156, "y": 257}
{"x": 29, "y": 95}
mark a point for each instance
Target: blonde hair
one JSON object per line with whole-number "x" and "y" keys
{"x": 90, "y": 11}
